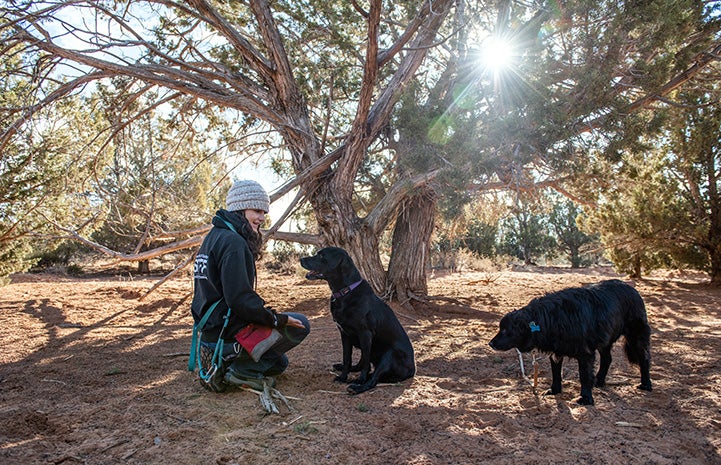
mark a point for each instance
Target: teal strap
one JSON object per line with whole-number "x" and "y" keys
{"x": 195, "y": 342}
{"x": 216, "y": 362}
{"x": 232, "y": 228}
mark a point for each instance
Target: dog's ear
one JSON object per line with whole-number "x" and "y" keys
{"x": 331, "y": 260}
{"x": 519, "y": 327}
{"x": 519, "y": 322}
{"x": 348, "y": 268}
{"x": 345, "y": 263}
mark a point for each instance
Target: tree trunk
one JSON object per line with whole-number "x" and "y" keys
{"x": 715, "y": 271}
{"x": 575, "y": 258}
{"x": 411, "y": 248}
{"x": 364, "y": 251}
{"x": 636, "y": 273}
{"x": 714, "y": 233}
{"x": 339, "y": 226}
{"x": 144, "y": 267}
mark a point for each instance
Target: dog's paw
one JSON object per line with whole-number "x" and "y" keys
{"x": 585, "y": 400}
{"x": 356, "y": 388}
{"x": 645, "y": 387}
{"x": 341, "y": 379}
{"x": 552, "y": 392}
{"x": 337, "y": 367}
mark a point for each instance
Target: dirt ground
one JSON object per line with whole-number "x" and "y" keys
{"x": 91, "y": 372}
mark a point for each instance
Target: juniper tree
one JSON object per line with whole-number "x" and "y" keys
{"x": 323, "y": 80}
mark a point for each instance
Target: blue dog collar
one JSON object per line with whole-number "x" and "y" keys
{"x": 534, "y": 327}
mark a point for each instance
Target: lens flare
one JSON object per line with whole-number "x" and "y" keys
{"x": 497, "y": 54}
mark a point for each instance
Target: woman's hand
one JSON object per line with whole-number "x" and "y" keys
{"x": 294, "y": 322}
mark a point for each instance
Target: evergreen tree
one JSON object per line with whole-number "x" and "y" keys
{"x": 665, "y": 208}
{"x": 525, "y": 233}
{"x": 42, "y": 175}
{"x": 481, "y": 238}
{"x": 693, "y": 156}
{"x": 569, "y": 239}
{"x": 157, "y": 179}
{"x": 632, "y": 214}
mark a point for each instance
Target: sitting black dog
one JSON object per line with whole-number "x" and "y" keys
{"x": 365, "y": 322}
{"x": 576, "y": 323}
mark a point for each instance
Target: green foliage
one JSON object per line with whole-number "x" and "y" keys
{"x": 481, "y": 238}
{"x": 285, "y": 256}
{"x": 42, "y": 174}
{"x": 152, "y": 179}
{"x": 74, "y": 270}
{"x": 525, "y": 236}
{"x": 159, "y": 178}
{"x": 625, "y": 216}
{"x": 576, "y": 66}
{"x": 14, "y": 258}
{"x": 567, "y": 70}
{"x": 569, "y": 238}
{"x": 53, "y": 252}
{"x": 665, "y": 207}
{"x": 543, "y": 227}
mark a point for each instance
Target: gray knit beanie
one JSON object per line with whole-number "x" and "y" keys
{"x": 247, "y": 195}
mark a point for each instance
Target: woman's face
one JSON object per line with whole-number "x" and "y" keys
{"x": 255, "y": 217}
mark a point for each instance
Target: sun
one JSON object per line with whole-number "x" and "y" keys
{"x": 497, "y": 54}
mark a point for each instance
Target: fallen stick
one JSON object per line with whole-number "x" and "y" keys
{"x": 122, "y": 441}
{"x": 629, "y": 425}
{"x": 54, "y": 381}
{"x": 177, "y": 354}
{"x": 266, "y": 398}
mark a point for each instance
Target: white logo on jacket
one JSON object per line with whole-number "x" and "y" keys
{"x": 200, "y": 268}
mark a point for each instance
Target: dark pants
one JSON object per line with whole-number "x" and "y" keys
{"x": 274, "y": 361}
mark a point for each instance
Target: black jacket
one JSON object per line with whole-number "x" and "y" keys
{"x": 225, "y": 270}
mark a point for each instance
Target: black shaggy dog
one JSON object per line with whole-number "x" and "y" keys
{"x": 576, "y": 323}
{"x": 365, "y": 322}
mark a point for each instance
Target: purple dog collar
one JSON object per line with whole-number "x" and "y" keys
{"x": 346, "y": 290}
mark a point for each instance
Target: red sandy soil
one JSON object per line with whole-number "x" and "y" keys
{"x": 93, "y": 372}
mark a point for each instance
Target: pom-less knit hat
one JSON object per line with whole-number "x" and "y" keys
{"x": 247, "y": 195}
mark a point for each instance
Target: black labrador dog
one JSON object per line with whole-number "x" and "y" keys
{"x": 365, "y": 322}
{"x": 576, "y": 323}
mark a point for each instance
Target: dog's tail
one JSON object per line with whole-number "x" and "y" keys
{"x": 636, "y": 330}
{"x": 638, "y": 342}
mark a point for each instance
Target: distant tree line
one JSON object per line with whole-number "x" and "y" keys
{"x": 531, "y": 231}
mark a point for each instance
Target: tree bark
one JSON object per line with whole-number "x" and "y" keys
{"x": 575, "y": 257}
{"x": 411, "y": 248}
{"x": 339, "y": 226}
{"x": 715, "y": 271}
{"x": 636, "y": 273}
{"x": 714, "y": 233}
{"x": 144, "y": 267}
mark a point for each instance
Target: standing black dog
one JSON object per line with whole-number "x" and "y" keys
{"x": 365, "y": 322}
{"x": 576, "y": 323}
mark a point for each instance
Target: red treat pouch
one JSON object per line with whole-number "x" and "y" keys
{"x": 256, "y": 340}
